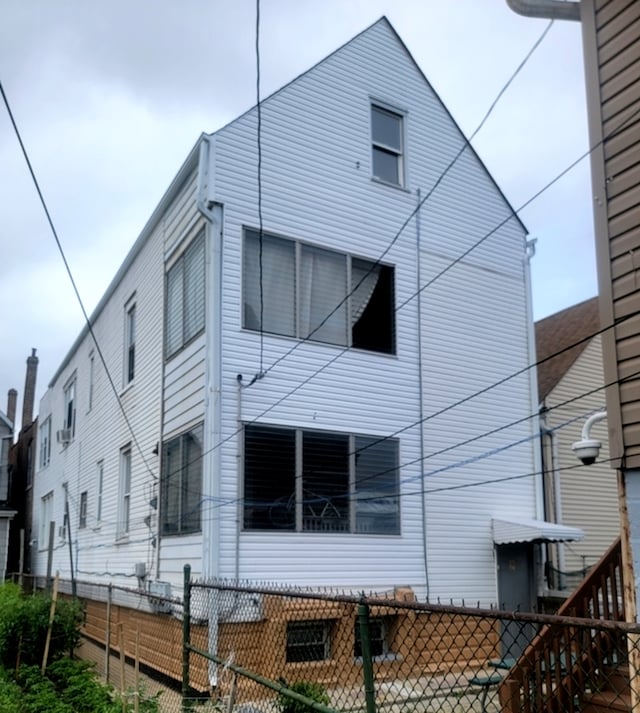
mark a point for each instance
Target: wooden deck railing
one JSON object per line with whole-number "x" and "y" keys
{"x": 562, "y": 660}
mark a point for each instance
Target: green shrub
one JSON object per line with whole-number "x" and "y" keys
{"x": 315, "y": 691}
{"x": 23, "y": 627}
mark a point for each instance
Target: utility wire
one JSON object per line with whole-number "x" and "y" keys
{"x": 465, "y": 145}
{"x": 73, "y": 283}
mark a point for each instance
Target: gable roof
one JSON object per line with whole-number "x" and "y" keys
{"x": 557, "y": 333}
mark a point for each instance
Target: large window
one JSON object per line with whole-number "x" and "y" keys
{"x": 45, "y": 442}
{"x": 124, "y": 494}
{"x": 70, "y": 407}
{"x": 182, "y": 483}
{"x": 186, "y": 297}
{"x": 387, "y": 140}
{"x": 130, "y": 343}
{"x": 315, "y": 481}
{"x": 303, "y": 291}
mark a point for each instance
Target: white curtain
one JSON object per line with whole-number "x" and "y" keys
{"x": 323, "y": 286}
{"x": 278, "y": 284}
{"x": 364, "y": 278}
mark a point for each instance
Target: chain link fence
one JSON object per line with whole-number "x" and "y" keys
{"x": 248, "y": 649}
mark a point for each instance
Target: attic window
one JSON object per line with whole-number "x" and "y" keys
{"x": 387, "y": 145}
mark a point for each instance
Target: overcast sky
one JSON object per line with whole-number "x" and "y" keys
{"x": 110, "y": 95}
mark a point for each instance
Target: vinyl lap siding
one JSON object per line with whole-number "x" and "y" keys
{"x": 612, "y": 41}
{"x": 589, "y": 494}
{"x": 317, "y": 188}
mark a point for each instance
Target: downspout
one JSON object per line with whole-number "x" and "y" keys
{"x": 212, "y": 460}
{"x": 421, "y": 402}
{"x": 530, "y": 251}
{"x": 550, "y": 9}
{"x": 556, "y": 489}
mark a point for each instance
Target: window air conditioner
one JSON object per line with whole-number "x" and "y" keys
{"x": 64, "y": 435}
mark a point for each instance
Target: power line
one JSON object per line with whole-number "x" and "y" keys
{"x": 73, "y": 282}
{"x": 465, "y": 145}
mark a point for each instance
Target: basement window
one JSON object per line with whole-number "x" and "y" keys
{"x": 308, "y": 641}
{"x": 379, "y": 637}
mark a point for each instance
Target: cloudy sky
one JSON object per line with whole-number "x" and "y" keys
{"x": 110, "y": 95}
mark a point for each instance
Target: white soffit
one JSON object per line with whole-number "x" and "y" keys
{"x": 509, "y": 530}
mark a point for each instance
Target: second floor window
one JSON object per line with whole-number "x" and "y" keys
{"x": 303, "y": 291}
{"x": 70, "y": 407}
{"x": 124, "y": 499}
{"x": 185, "y": 297}
{"x": 130, "y": 343}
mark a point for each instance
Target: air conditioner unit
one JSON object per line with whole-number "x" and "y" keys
{"x": 64, "y": 435}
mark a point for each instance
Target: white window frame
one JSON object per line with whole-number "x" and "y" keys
{"x": 70, "y": 406}
{"x": 46, "y": 516}
{"x": 182, "y": 484}
{"x": 378, "y": 144}
{"x": 130, "y": 319}
{"x": 124, "y": 493}
{"x": 84, "y": 504}
{"x": 92, "y": 375}
{"x": 45, "y": 442}
{"x": 99, "y": 491}
{"x": 187, "y": 305}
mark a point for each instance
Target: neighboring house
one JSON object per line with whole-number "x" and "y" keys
{"x": 287, "y": 396}
{"x": 581, "y": 496}
{"x": 6, "y": 512}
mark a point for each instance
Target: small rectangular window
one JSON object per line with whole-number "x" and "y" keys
{"x": 124, "y": 500}
{"x": 92, "y": 366}
{"x": 308, "y": 641}
{"x": 379, "y": 630}
{"x": 45, "y": 442}
{"x": 46, "y": 517}
{"x": 99, "y": 487}
{"x": 185, "y": 297}
{"x": 82, "y": 518}
{"x": 70, "y": 407}
{"x": 181, "y": 483}
{"x": 387, "y": 145}
{"x": 130, "y": 343}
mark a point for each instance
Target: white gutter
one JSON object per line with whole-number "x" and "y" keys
{"x": 212, "y": 460}
{"x": 551, "y": 9}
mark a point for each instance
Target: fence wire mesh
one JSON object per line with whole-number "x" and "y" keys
{"x": 250, "y": 649}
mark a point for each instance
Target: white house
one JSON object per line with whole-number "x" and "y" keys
{"x": 278, "y": 406}
{"x": 571, "y": 388}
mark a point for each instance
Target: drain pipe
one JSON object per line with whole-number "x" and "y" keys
{"x": 212, "y": 459}
{"x": 550, "y": 9}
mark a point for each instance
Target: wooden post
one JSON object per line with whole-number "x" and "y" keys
{"x": 122, "y": 668}
{"x": 107, "y": 657}
{"x": 136, "y": 692}
{"x": 52, "y": 613}
{"x": 629, "y": 593}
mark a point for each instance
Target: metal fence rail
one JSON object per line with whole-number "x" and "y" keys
{"x": 263, "y": 649}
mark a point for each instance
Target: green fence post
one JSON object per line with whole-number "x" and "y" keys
{"x": 367, "y": 663}
{"x": 186, "y": 637}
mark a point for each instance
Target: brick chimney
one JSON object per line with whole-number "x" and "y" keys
{"x": 12, "y": 399}
{"x": 29, "y": 389}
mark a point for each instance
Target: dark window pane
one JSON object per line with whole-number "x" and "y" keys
{"x": 386, "y": 128}
{"x": 372, "y": 310}
{"x": 325, "y": 482}
{"x": 269, "y": 478}
{"x": 386, "y": 165}
{"x": 307, "y": 641}
{"x": 377, "y": 503}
